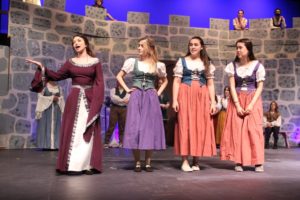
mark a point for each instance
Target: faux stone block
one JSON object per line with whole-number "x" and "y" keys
{"x": 61, "y": 17}
{"x": 286, "y": 81}
{"x": 68, "y": 30}
{"x": 56, "y": 4}
{"x": 52, "y": 37}
{"x": 299, "y": 94}
{"x": 192, "y": 31}
{"x": 213, "y": 33}
{"x": 111, "y": 83}
{"x": 219, "y": 24}
{"x": 270, "y": 95}
{"x": 21, "y": 81}
{"x": 291, "y": 46}
{"x": 163, "y": 30}
{"x": 5, "y": 84}
{"x": 270, "y": 64}
{"x": 257, "y": 34}
{"x": 134, "y": 31}
{"x": 120, "y": 47}
{"x": 103, "y": 55}
{"x": 292, "y": 33}
{"x": 287, "y": 95}
{"x": 133, "y": 44}
{"x": 89, "y": 27}
{"x": 106, "y": 71}
{"x": 15, "y": 31}
{"x": 273, "y": 46}
{"x": 295, "y": 109}
{"x": 284, "y": 111}
{"x": 150, "y": 29}
{"x": 277, "y": 33}
{"x": 280, "y": 55}
{"x": 41, "y": 24}
{"x": 286, "y": 66}
{"x": 117, "y": 30}
{"x": 116, "y": 63}
{"x": 95, "y": 13}
{"x": 77, "y": 19}
{"x": 287, "y": 127}
{"x": 270, "y": 81}
{"x": 296, "y": 22}
{"x": 23, "y": 126}
{"x": 178, "y": 20}
{"x": 19, "y": 5}
{"x": 296, "y": 121}
{"x": 35, "y": 35}
{"x": 49, "y": 63}
{"x": 21, "y": 109}
{"x": 19, "y": 17}
{"x": 161, "y": 41}
{"x": 19, "y": 65}
{"x": 173, "y": 30}
{"x": 33, "y": 48}
{"x": 179, "y": 43}
{"x": 43, "y": 12}
{"x": 7, "y": 124}
{"x": 235, "y": 34}
{"x": 260, "y": 23}
{"x": 67, "y": 40}
{"x": 54, "y": 50}
{"x": 102, "y": 36}
{"x": 137, "y": 18}
{"x": 16, "y": 142}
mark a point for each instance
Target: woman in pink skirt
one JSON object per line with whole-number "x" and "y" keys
{"x": 194, "y": 100}
{"x": 243, "y": 139}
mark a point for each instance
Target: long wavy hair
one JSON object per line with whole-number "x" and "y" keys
{"x": 87, "y": 43}
{"x": 151, "y": 52}
{"x": 249, "y": 46}
{"x": 276, "y": 112}
{"x": 224, "y": 91}
{"x": 203, "y": 53}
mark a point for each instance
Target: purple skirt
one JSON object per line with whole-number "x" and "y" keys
{"x": 144, "y": 127}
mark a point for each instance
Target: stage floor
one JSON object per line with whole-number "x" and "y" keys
{"x": 30, "y": 174}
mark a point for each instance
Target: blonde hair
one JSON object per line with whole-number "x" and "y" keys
{"x": 151, "y": 52}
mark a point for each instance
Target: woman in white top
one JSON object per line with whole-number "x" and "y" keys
{"x": 272, "y": 123}
{"x": 144, "y": 129}
{"x": 194, "y": 100}
{"x": 243, "y": 140}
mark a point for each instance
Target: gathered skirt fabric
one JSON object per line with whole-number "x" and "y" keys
{"x": 242, "y": 138}
{"x": 144, "y": 127}
{"x": 194, "y": 129}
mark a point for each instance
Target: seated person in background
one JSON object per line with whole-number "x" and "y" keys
{"x": 119, "y": 98}
{"x": 99, "y": 4}
{"x": 278, "y": 20}
{"x": 272, "y": 123}
{"x": 240, "y": 22}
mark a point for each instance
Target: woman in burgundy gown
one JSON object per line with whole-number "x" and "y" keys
{"x": 80, "y": 149}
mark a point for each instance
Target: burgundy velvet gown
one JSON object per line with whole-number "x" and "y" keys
{"x": 87, "y": 85}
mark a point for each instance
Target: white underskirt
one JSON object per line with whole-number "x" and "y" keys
{"x": 80, "y": 150}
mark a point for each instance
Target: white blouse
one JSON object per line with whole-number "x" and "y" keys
{"x": 193, "y": 65}
{"x": 247, "y": 70}
{"x": 144, "y": 67}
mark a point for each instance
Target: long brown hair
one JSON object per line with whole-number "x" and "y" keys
{"x": 203, "y": 53}
{"x": 249, "y": 46}
{"x": 87, "y": 43}
{"x": 276, "y": 112}
{"x": 151, "y": 51}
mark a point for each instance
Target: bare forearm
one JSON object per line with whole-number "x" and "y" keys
{"x": 175, "y": 88}
{"x": 163, "y": 86}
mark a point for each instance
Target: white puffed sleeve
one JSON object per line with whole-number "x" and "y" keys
{"x": 128, "y": 65}
{"x": 260, "y": 73}
{"x": 178, "y": 69}
{"x": 229, "y": 69}
{"x": 161, "y": 69}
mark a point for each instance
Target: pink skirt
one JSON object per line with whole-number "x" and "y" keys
{"x": 242, "y": 139}
{"x": 194, "y": 130}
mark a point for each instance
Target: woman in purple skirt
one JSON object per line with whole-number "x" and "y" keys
{"x": 144, "y": 129}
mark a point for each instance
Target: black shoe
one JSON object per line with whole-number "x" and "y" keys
{"x": 267, "y": 146}
{"x": 275, "y": 147}
{"x": 74, "y": 173}
{"x": 149, "y": 168}
{"x": 138, "y": 168}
